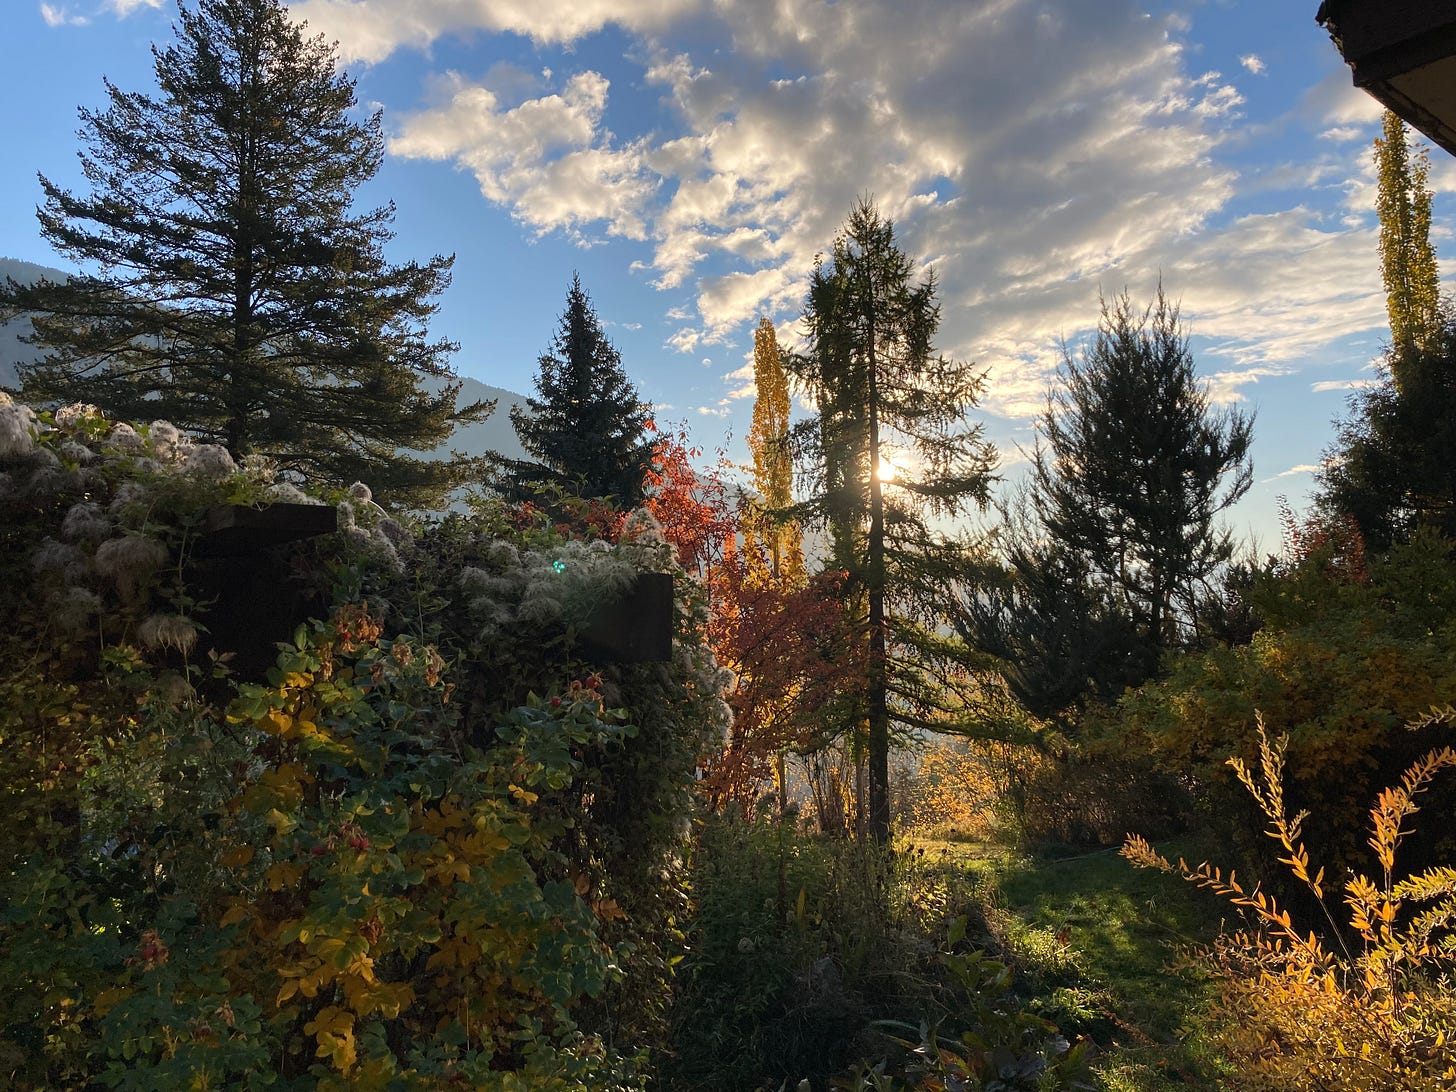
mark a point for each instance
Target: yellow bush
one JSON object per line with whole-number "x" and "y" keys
{"x": 1300, "y": 1014}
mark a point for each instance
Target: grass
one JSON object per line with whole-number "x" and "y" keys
{"x": 1096, "y": 945}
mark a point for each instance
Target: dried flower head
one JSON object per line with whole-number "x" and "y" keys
{"x": 288, "y": 493}
{"x": 17, "y": 430}
{"x": 72, "y": 608}
{"x": 75, "y": 452}
{"x": 167, "y": 631}
{"x": 361, "y": 493}
{"x": 130, "y": 562}
{"x": 259, "y": 469}
{"x": 85, "y": 522}
{"x": 166, "y": 440}
{"x": 75, "y": 413}
{"x": 61, "y": 557}
{"x": 209, "y": 461}
{"x": 125, "y": 438}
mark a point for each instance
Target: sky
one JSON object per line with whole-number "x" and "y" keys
{"x": 689, "y": 158}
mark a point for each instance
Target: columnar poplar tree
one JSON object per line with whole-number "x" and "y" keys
{"x": 587, "y": 427}
{"x": 235, "y": 290}
{"x": 773, "y": 467}
{"x": 1407, "y": 259}
{"x": 1392, "y": 468}
{"x": 889, "y": 450}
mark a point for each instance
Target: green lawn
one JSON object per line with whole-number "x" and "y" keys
{"x": 1096, "y": 946}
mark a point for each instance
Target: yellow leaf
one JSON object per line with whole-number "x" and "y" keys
{"x": 283, "y": 874}
{"x": 525, "y": 796}
{"x": 106, "y": 1000}
{"x": 237, "y": 857}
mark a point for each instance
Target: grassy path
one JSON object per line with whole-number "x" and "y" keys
{"x": 1095, "y": 942}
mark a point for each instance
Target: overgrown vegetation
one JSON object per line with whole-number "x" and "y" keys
{"x": 305, "y": 796}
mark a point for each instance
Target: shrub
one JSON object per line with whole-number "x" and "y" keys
{"x": 1342, "y": 664}
{"x": 429, "y": 844}
{"x": 1298, "y": 1013}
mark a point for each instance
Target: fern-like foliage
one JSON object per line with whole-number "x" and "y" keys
{"x": 1303, "y": 1016}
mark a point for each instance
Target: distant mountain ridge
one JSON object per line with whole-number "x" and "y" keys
{"x": 493, "y": 434}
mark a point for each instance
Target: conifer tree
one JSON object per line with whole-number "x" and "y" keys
{"x": 1131, "y": 476}
{"x": 587, "y": 427}
{"x": 235, "y": 289}
{"x": 889, "y": 450}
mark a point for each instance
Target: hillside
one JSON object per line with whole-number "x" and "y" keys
{"x": 493, "y": 434}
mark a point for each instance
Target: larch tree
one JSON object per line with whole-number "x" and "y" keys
{"x": 1132, "y": 471}
{"x": 889, "y": 451}
{"x": 230, "y": 285}
{"x": 587, "y": 427}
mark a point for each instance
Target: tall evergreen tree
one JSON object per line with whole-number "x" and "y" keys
{"x": 236, "y": 290}
{"x": 587, "y": 427}
{"x": 1133, "y": 471}
{"x": 886, "y": 399}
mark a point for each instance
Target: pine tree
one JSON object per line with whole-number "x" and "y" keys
{"x": 773, "y": 468}
{"x": 1131, "y": 476}
{"x": 587, "y": 427}
{"x": 239, "y": 293}
{"x": 889, "y": 450}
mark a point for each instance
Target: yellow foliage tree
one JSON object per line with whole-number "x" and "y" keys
{"x": 773, "y": 469}
{"x": 1407, "y": 259}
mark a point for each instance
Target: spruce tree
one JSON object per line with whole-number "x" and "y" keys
{"x": 889, "y": 451}
{"x": 230, "y": 286}
{"x": 587, "y": 427}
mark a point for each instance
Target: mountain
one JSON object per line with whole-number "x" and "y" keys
{"x": 12, "y": 350}
{"x": 493, "y": 434}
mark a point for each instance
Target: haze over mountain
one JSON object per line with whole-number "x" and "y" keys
{"x": 493, "y": 434}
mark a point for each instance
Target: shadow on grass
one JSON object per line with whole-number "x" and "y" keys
{"x": 1101, "y": 948}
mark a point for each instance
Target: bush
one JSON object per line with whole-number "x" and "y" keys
{"x": 1302, "y": 1012}
{"x": 423, "y": 847}
{"x": 1343, "y": 663}
{"x": 807, "y": 954}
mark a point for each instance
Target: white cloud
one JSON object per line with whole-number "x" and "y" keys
{"x": 1038, "y": 153}
{"x": 1303, "y": 468}
{"x": 370, "y": 30}
{"x": 60, "y": 17}
{"x": 547, "y": 159}
{"x": 1326, "y": 385}
{"x": 123, "y": 8}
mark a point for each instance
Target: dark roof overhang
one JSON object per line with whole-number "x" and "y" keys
{"x": 1403, "y": 52}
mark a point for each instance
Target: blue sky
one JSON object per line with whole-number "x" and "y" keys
{"x": 690, "y": 157}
